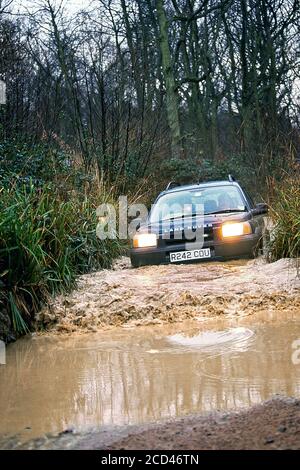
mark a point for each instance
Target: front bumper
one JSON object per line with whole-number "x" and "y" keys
{"x": 220, "y": 249}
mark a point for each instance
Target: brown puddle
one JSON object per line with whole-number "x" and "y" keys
{"x": 146, "y": 374}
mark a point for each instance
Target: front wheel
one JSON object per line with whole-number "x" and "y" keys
{"x": 135, "y": 264}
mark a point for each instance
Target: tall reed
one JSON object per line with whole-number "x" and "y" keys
{"x": 46, "y": 240}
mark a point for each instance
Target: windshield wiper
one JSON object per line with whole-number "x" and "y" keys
{"x": 182, "y": 216}
{"x": 225, "y": 211}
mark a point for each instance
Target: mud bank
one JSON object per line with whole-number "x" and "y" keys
{"x": 272, "y": 425}
{"x": 172, "y": 293}
{"x": 275, "y": 424}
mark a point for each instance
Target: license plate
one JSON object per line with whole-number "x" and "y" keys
{"x": 189, "y": 255}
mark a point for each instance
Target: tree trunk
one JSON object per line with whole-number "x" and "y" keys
{"x": 172, "y": 103}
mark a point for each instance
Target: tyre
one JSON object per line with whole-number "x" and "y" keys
{"x": 134, "y": 263}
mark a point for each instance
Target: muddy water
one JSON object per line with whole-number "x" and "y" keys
{"x": 146, "y": 374}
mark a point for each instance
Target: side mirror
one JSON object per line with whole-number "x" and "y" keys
{"x": 261, "y": 208}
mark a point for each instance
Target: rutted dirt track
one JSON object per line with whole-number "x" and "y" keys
{"x": 157, "y": 294}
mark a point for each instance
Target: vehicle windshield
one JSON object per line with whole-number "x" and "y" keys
{"x": 211, "y": 200}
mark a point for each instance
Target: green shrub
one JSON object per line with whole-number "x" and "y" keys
{"x": 191, "y": 170}
{"x": 45, "y": 242}
{"x": 21, "y": 161}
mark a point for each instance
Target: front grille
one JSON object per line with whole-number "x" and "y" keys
{"x": 175, "y": 239}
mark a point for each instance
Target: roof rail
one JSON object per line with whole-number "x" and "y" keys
{"x": 231, "y": 178}
{"x": 171, "y": 185}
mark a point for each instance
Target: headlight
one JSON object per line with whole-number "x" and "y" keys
{"x": 142, "y": 240}
{"x": 236, "y": 229}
